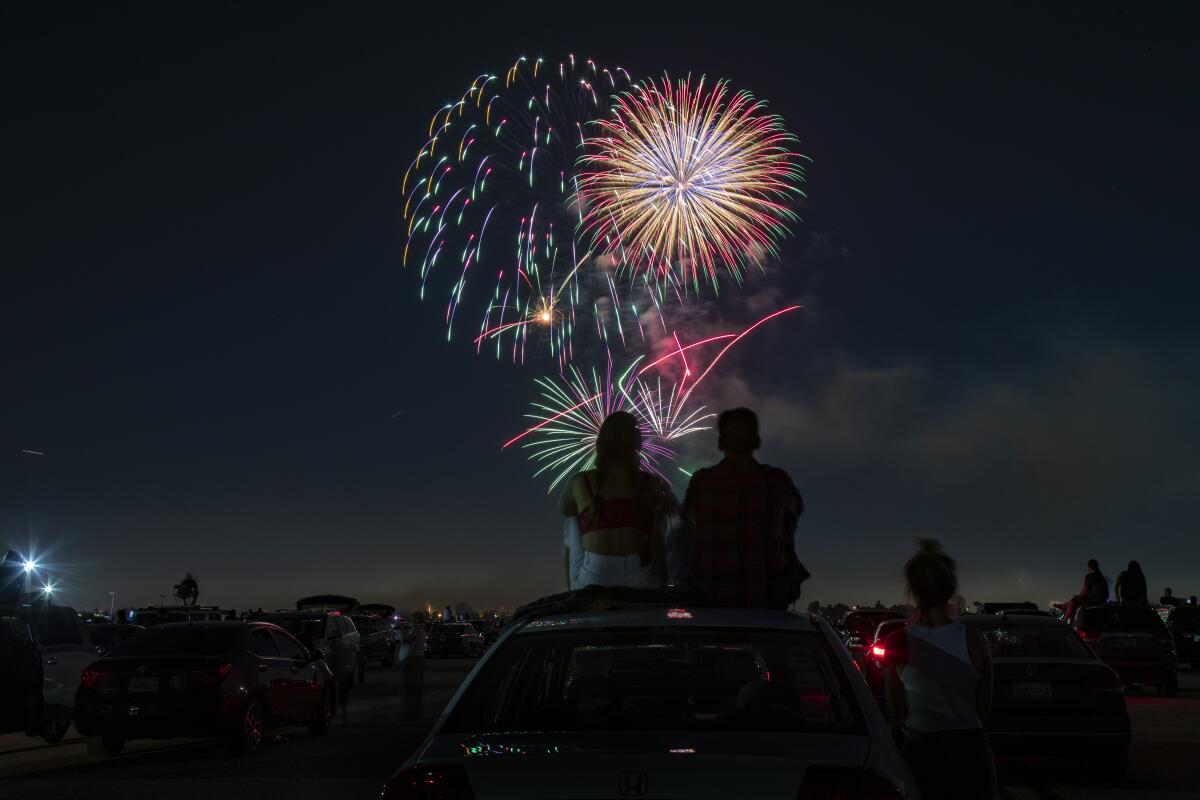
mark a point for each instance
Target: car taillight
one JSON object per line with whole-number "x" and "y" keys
{"x": 429, "y": 783}
{"x": 213, "y": 675}
{"x": 878, "y": 651}
{"x": 1090, "y": 636}
{"x": 846, "y": 783}
{"x": 1101, "y": 679}
{"x": 99, "y": 679}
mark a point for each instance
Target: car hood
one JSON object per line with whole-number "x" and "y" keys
{"x": 565, "y": 766}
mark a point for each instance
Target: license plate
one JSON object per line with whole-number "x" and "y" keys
{"x": 1126, "y": 642}
{"x": 143, "y": 684}
{"x": 1032, "y": 691}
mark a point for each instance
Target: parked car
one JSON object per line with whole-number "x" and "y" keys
{"x": 334, "y": 636}
{"x": 1184, "y": 624}
{"x": 161, "y": 615}
{"x": 43, "y": 650}
{"x": 677, "y": 702}
{"x": 104, "y": 636}
{"x": 235, "y": 680}
{"x": 1052, "y": 694}
{"x": 857, "y": 628}
{"x": 1134, "y": 641}
{"x": 377, "y": 638}
{"x": 454, "y": 639}
{"x": 402, "y": 629}
{"x": 487, "y": 628}
{"x": 873, "y": 666}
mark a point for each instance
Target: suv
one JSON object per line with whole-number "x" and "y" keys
{"x": 377, "y": 638}
{"x": 680, "y": 701}
{"x": 334, "y": 636}
{"x": 1133, "y": 641}
{"x": 1184, "y": 624}
{"x": 43, "y": 651}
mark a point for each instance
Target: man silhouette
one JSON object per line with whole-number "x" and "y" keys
{"x": 1168, "y": 599}
{"x": 743, "y": 516}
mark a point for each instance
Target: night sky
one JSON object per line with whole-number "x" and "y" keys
{"x": 205, "y": 327}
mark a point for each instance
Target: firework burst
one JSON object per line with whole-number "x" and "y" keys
{"x": 681, "y": 181}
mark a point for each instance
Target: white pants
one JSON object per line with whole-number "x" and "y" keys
{"x": 592, "y": 568}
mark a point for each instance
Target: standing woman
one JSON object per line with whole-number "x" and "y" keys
{"x": 620, "y": 510}
{"x": 938, "y": 684}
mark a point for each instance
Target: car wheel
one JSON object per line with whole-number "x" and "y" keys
{"x": 325, "y": 714}
{"x": 1170, "y": 688}
{"x": 54, "y": 726}
{"x": 248, "y": 733}
{"x": 109, "y": 746}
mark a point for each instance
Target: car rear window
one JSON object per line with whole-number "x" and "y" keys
{"x": 182, "y": 639}
{"x": 1185, "y": 616}
{"x": 1120, "y": 618}
{"x": 306, "y": 629}
{"x": 1036, "y": 641}
{"x": 660, "y": 680}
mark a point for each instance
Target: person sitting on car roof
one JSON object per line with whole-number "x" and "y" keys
{"x": 1131, "y": 586}
{"x": 1168, "y": 599}
{"x": 1093, "y": 593}
{"x": 743, "y": 516}
{"x": 617, "y": 513}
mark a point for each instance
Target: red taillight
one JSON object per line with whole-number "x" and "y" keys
{"x": 91, "y": 676}
{"x": 429, "y": 783}
{"x": 846, "y": 783}
{"x": 1090, "y": 636}
{"x": 1101, "y": 679}
{"x": 878, "y": 651}
{"x": 213, "y": 675}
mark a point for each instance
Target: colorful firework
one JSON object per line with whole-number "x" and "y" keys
{"x": 571, "y": 409}
{"x": 490, "y": 209}
{"x": 680, "y": 181}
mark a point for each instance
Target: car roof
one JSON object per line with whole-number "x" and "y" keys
{"x": 997, "y": 620}
{"x": 661, "y": 616}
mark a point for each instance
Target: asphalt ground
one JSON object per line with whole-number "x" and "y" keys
{"x": 381, "y": 727}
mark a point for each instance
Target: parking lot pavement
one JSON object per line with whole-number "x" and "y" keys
{"x": 354, "y": 759}
{"x": 351, "y": 762}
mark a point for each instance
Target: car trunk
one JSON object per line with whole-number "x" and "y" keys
{"x": 1036, "y": 685}
{"x": 648, "y": 765}
{"x": 151, "y": 680}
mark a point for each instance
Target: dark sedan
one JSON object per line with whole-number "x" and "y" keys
{"x": 1052, "y": 695}
{"x": 1134, "y": 641}
{"x": 454, "y": 639}
{"x": 234, "y": 680}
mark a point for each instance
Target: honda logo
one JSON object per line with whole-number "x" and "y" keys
{"x": 633, "y": 784}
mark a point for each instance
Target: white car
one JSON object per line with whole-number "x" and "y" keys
{"x": 660, "y": 702}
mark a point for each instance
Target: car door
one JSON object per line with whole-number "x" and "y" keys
{"x": 66, "y": 652}
{"x": 273, "y": 673}
{"x": 303, "y": 675}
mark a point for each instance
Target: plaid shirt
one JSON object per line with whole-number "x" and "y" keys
{"x": 744, "y": 523}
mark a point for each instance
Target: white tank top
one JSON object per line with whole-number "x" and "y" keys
{"x": 940, "y": 679}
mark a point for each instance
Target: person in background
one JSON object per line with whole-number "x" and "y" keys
{"x": 1131, "y": 586}
{"x": 618, "y": 509}
{"x": 1167, "y": 598}
{"x": 1093, "y": 593}
{"x": 742, "y": 517}
{"x": 938, "y": 686}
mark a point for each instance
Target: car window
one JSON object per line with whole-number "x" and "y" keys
{"x": 305, "y": 629}
{"x": 656, "y": 679}
{"x": 262, "y": 643}
{"x": 185, "y": 639}
{"x": 1036, "y": 641}
{"x": 62, "y": 627}
{"x": 1119, "y": 618}
{"x": 289, "y": 647}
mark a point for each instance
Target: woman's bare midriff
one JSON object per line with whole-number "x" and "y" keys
{"x": 614, "y": 543}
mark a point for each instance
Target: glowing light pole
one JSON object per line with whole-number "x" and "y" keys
{"x": 29, "y": 566}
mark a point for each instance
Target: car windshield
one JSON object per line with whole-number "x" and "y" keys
{"x": 864, "y": 624}
{"x": 659, "y": 680}
{"x": 306, "y": 629}
{"x": 184, "y": 639}
{"x": 1120, "y": 618}
{"x": 1036, "y": 641}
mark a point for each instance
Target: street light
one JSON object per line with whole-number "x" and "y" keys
{"x": 30, "y": 565}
